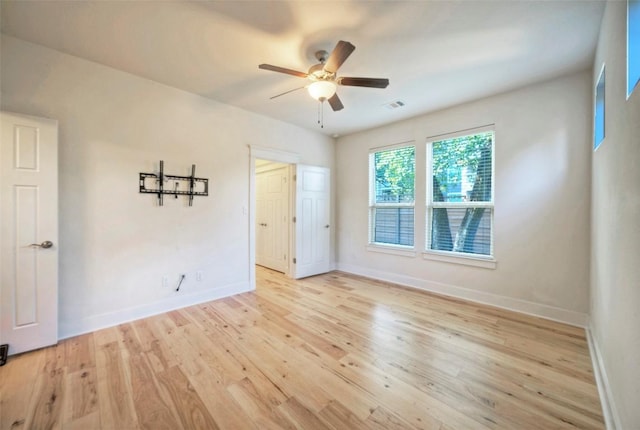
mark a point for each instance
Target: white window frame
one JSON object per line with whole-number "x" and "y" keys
{"x": 477, "y": 260}
{"x": 389, "y": 248}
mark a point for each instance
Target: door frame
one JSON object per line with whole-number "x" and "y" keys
{"x": 279, "y": 156}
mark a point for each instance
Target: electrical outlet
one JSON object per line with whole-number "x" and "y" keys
{"x": 199, "y": 275}
{"x": 165, "y": 281}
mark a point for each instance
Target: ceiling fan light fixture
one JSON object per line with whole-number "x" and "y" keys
{"x": 322, "y": 90}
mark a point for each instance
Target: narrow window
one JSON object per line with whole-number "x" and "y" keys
{"x": 598, "y": 123}
{"x": 392, "y": 196}
{"x": 633, "y": 45}
{"x": 460, "y": 195}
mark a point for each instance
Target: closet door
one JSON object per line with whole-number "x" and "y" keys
{"x": 28, "y": 232}
{"x": 272, "y": 223}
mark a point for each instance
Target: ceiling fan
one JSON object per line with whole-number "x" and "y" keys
{"x": 324, "y": 80}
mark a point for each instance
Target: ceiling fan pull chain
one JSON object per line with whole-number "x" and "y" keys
{"x": 321, "y": 114}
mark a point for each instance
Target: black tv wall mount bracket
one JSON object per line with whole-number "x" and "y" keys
{"x": 154, "y": 183}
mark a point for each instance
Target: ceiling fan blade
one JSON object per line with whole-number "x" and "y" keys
{"x": 286, "y": 92}
{"x": 335, "y": 103}
{"x": 364, "y": 82}
{"x": 338, "y": 56}
{"x": 282, "y": 70}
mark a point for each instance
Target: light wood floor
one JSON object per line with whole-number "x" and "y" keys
{"x": 335, "y": 351}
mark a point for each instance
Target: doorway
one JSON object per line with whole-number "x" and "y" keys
{"x": 307, "y": 221}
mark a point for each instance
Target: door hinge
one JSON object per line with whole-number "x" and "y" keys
{"x": 294, "y": 260}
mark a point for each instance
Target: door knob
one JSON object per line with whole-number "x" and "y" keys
{"x": 326, "y": 226}
{"x": 46, "y": 244}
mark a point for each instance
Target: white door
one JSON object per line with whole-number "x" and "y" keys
{"x": 313, "y": 229}
{"x": 272, "y": 223}
{"x": 28, "y": 232}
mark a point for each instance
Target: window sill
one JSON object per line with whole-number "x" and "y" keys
{"x": 484, "y": 262}
{"x": 390, "y": 249}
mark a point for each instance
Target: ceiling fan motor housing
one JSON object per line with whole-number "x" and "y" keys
{"x": 322, "y": 56}
{"x": 317, "y": 73}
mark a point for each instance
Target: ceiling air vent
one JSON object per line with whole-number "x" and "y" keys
{"x": 394, "y": 105}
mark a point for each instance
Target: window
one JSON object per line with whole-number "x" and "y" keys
{"x": 392, "y": 196}
{"x": 633, "y": 45}
{"x": 460, "y": 195}
{"x": 598, "y": 122}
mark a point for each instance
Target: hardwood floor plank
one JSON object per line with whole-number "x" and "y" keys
{"x": 532, "y": 404}
{"x": 44, "y": 409}
{"x": 105, "y": 336}
{"x": 82, "y": 398}
{"x": 263, "y": 414}
{"x": 403, "y": 398}
{"x": 220, "y": 403}
{"x": 153, "y": 409}
{"x": 17, "y": 382}
{"x": 192, "y": 412}
{"x": 328, "y": 376}
{"x": 79, "y": 352}
{"x": 87, "y": 422}
{"x": 129, "y": 341}
{"x": 207, "y": 382}
{"x": 337, "y": 416}
{"x": 282, "y": 371}
{"x": 382, "y": 419}
{"x": 336, "y": 351}
{"x": 178, "y": 318}
{"x": 280, "y": 326}
{"x": 47, "y": 399}
{"x": 302, "y": 417}
{"x": 114, "y": 389}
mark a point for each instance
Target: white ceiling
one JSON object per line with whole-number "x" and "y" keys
{"x": 435, "y": 53}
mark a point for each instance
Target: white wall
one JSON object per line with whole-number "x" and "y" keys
{"x": 116, "y": 244}
{"x": 542, "y": 201}
{"x": 615, "y": 257}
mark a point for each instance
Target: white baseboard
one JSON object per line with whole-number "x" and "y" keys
{"x": 97, "y": 322}
{"x": 609, "y": 411}
{"x": 523, "y": 306}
